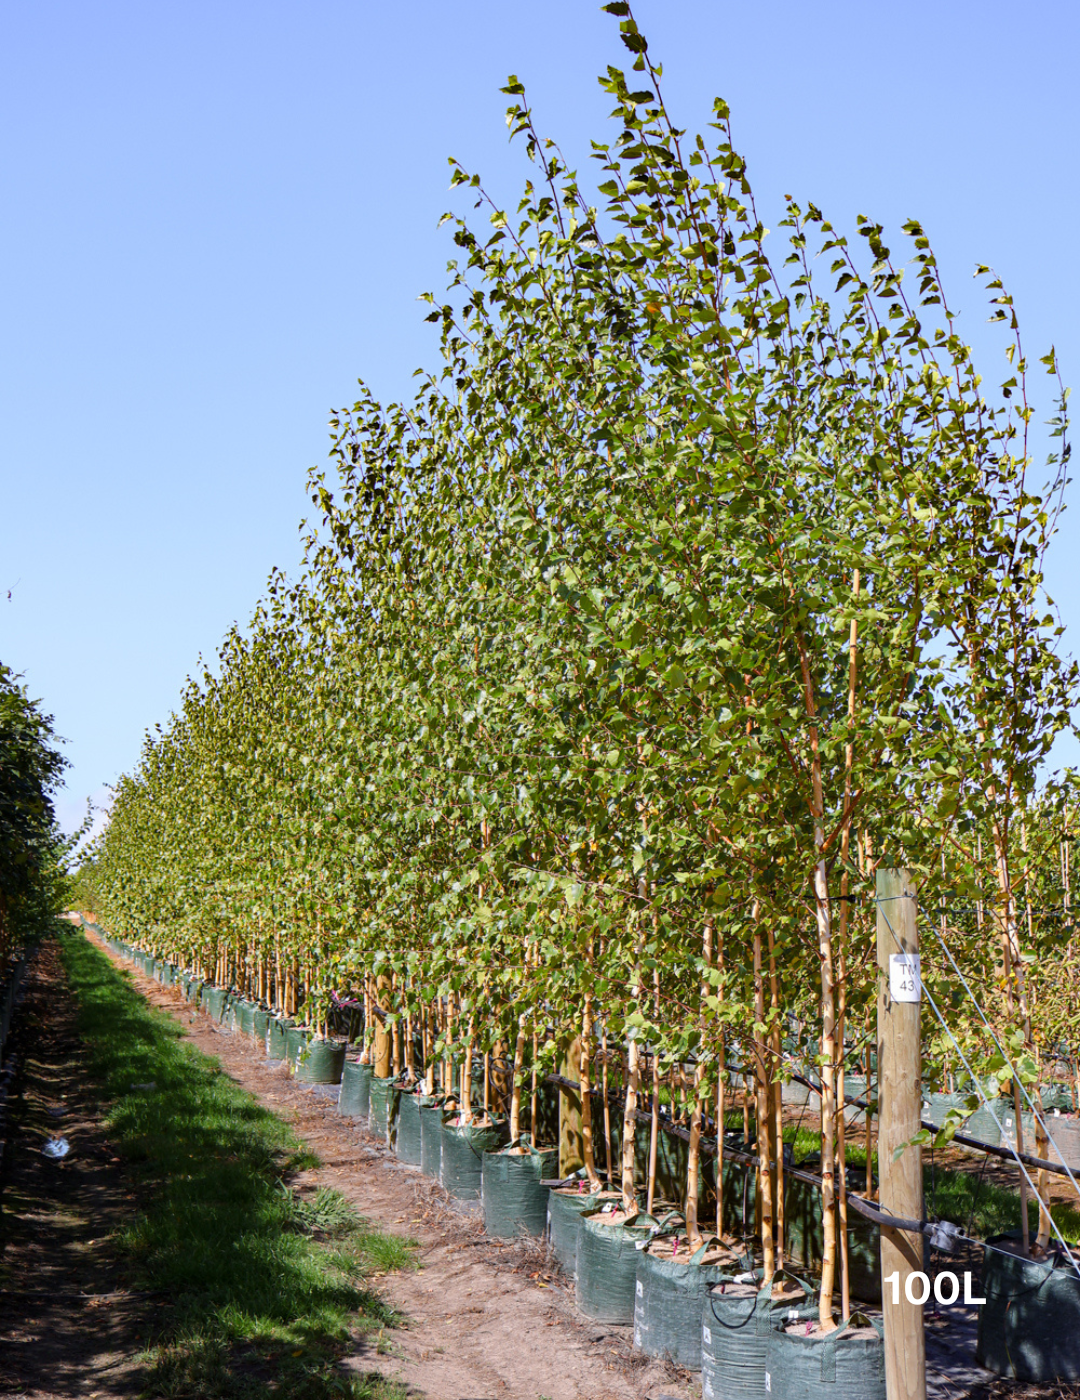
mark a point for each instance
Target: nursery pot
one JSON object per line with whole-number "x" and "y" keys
{"x": 408, "y": 1145}
{"x": 515, "y": 1203}
{"x": 1029, "y": 1326}
{"x": 846, "y": 1364}
{"x": 245, "y": 1017}
{"x": 277, "y": 1036}
{"x": 383, "y": 1109}
{"x": 607, "y": 1266}
{"x": 1065, "y": 1135}
{"x": 982, "y": 1126}
{"x": 355, "y": 1097}
{"x": 296, "y": 1038}
{"x": 735, "y": 1322}
{"x": 668, "y": 1298}
{"x": 936, "y": 1106}
{"x": 431, "y": 1133}
{"x": 213, "y": 1001}
{"x": 463, "y": 1149}
{"x": 565, "y": 1207}
{"x": 804, "y": 1239}
{"x": 321, "y": 1062}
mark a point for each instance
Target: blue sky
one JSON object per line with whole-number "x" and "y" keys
{"x": 218, "y": 216}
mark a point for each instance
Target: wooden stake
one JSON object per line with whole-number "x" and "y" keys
{"x": 899, "y": 1109}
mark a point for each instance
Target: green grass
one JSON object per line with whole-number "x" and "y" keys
{"x": 261, "y": 1292}
{"x": 979, "y": 1206}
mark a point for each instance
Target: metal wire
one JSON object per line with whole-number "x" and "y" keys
{"x": 974, "y": 1077}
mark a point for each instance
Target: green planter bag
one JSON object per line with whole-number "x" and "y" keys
{"x": 668, "y": 1299}
{"x": 847, "y": 1364}
{"x": 431, "y": 1135}
{"x": 354, "y": 1100}
{"x": 245, "y": 1017}
{"x": 515, "y": 1202}
{"x": 296, "y": 1038}
{"x": 1029, "y": 1326}
{"x": 463, "y": 1151}
{"x": 277, "y": 1037}
{"x": 982, "y": 1125}
{"x": 321, "y": 1062}
{"x": 408, "y": 1145}
{"x": 213, "y": 1001}
{"x": 1057, "y": 1096}
{"x": 736, "y": 1320}
{"x": 804, "y": 1239}
{"x": 565, "y": 1207}
{"x": 607, "y": 1266}
{"x": 260, "y": 1025}
{"x": 936, "y": 1106}
{"x": 383, "y": 1110}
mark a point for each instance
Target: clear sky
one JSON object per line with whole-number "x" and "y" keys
{"x": 217, "y": 216}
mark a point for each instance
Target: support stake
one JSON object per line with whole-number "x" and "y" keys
{"x": 899, "y": 1111}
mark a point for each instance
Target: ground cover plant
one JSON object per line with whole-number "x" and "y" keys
{"x": 259, "y": 1293}
{"x": 701, "y": 578}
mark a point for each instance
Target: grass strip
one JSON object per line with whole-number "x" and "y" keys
{"x": 263, "y": 1292}
{"x": 964, "y": 1197}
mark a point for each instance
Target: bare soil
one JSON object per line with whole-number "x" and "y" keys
{"x": 486, "y": 1319}
{"x": 68, "y": 1325}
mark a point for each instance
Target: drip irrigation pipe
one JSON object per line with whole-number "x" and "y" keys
{"x": 1006, "y": 1153}
{"x": 943, "y": 1236}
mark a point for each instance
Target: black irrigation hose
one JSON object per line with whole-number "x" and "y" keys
{"x": 1006, "y": 1153}
{"x": 861, "y": 1206}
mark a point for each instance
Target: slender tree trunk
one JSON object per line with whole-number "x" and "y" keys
{"x": 585, "y": 1080}
{"x": 721, "y": 1086}
{"x": 466, "y": 1074}
{"x": 762, "y": 1112}
{"x": 654, "y": 1126}
{"x": 515, "y": 1092}
{"x": 828, "y": 1011}
{"x": 777, "y": 1101}
{"x": 841, "y": 954}
{"x": 448, "y": 1062}
{"x": 693, "y": 1164}
{"x": 608, "y": 1144}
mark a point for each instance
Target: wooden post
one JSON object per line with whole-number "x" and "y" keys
{"x": 571, "y": 1142}
{"x": 383, "y": 1042}
{"x": 899, "y": 1107}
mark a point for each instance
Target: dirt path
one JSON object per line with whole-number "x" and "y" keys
{"x": 484, "y": 1323}
{"x": 67, "y": 1325}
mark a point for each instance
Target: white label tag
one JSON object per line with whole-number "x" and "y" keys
{"x": 905, "y": 979}
{"x": 640, "y": 1290}
{"x": 706, "y": 1336}
{"x": 768, "y": 1382}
